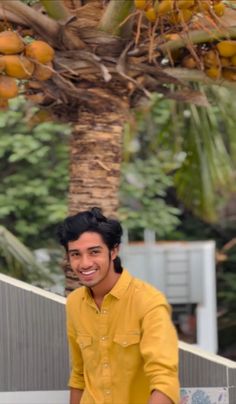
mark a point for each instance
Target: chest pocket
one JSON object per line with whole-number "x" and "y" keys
{"x": 127, "y": 350}
{"x": 85, "y": 343}
{"x": 125, "y": 340}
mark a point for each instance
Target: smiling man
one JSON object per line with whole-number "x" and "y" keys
{"x": 122, "y": 342}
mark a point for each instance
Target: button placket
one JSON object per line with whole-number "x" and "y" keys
{"x": 104, "y": 346}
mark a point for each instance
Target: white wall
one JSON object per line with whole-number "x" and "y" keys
{"x": 35, "y": 397}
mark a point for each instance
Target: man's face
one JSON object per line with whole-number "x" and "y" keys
{"x": 91, "y": 260}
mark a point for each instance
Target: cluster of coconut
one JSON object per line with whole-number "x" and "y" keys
{"x": 20, "y": 61}
{"x": 218, "y": 62}
{"x": 217, "y": 59}
{"x": 174, "y": 12}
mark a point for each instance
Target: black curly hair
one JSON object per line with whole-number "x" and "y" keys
{"x": 92, "y": 221}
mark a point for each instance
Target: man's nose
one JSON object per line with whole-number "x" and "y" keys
{"x": 85, "y": 262}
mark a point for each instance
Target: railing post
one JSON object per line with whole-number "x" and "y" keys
{"x": 149, "y": 236}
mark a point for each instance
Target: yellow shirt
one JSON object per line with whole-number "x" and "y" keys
{"x": 126, "y": 349}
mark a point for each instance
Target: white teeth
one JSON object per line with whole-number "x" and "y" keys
{"x": 88, "y": 272}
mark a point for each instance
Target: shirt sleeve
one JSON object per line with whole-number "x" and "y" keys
{"x": 159, "y": 349}
{"x": 76, "y": 379}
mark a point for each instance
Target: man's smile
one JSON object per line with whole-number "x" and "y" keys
{"x": 86, "y": 273}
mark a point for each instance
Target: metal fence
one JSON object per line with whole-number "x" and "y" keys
{"x": 34, "y": 354}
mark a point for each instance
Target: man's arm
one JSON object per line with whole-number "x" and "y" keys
{"x": 75, "y": 395}
{"x": 157, "y": 397}
{"x": 76, "y": 381}
{"x": 159, "y": 349}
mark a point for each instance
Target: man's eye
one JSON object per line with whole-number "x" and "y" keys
{"x": 94, "y": 252}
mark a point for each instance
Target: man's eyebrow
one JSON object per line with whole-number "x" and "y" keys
{"x": 95, "y": 246}
{"x": 98, "y": 247}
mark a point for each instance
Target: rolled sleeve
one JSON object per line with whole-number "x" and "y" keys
{"x": 159, "y": 349}
{"x": 76, "y": 379}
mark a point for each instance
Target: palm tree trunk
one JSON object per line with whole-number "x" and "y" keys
{"x": 94, "y": 168}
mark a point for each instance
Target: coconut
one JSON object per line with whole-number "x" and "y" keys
{"x": 8, "y": 87}
{"x": 140, "y": 4}
{"x": 214, "y": 73}
{"x": 181, "y": 16}
{"x": 40, "y": 51}
{"x": 229, "y": 74}
{"x": 11, "y": 43}
{"x": 189, "y": 62}
{"x": 151, "y": 14}
{"x": 233, "y": 61}
{"x": 183, "y": 4}
{"x": 4, "y": 104}
{"x": 164, "y": 7}
{"x": 219, "y": 9}
{"x": 17, "y": 66}
{"x": 43, "y": 72}
{"x": 211, "y": 58}
{"x": 227, "y": 48}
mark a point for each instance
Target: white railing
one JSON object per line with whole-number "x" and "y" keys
{"x": 34, "y": 362}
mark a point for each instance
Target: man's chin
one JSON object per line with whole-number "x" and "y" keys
{"x": 88, "y": 283}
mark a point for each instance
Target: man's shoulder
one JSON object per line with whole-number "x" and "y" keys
{"x": 76, "y": 295}
{"x": 144, "y": 286}
{"x": 147, "y": 292}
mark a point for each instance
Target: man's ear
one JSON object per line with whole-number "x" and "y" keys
{"x": 115, "y": 252}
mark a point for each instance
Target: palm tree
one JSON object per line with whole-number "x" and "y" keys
{"x": 101, "y": 70}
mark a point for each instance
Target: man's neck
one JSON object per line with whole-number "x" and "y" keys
{"x": 98, "y": 292}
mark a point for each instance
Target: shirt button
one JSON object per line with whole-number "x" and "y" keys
{"x": 104, "y": 311}
{"x": 124, "y": 343}
{"x": 106, "y": 365}
{"x": 103, "y": 338}
{"x": 108, "y": 391}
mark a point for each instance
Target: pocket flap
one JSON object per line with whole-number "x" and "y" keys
{"x": 84, "y": 340}
{"x": 126, "y": 339}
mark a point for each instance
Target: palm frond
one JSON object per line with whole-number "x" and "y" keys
{"x": 18, "y": 261}
{"x": 208, "y": 171}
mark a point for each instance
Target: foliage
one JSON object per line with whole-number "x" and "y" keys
{"x": 227, "y": 301}
{"x": 146, "y": 172}
{"x": 19, "y": 262}
{"x": 34, "y": 168}
{"x": 228, "y": 292}
{"x": 208, "y": 169}
{"x": 143, "y": 191}
{"x": 204, "y": 141}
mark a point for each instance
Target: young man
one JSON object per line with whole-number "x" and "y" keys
{"x": 122, "y": 342}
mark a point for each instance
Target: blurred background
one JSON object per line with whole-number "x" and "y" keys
{"x": 178, "y": 183}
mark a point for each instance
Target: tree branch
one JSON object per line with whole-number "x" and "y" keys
{"x": 16, "y": 11}
{"x": 195, "y": 37}
{"x": 189, "y": 75}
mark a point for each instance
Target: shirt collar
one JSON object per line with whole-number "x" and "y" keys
{"x": 118, "y": 289}
{"x": 121, "y": 285}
